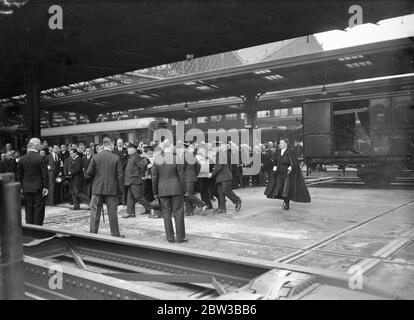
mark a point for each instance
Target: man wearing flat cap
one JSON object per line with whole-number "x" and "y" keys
{"x": 134, "y": 172}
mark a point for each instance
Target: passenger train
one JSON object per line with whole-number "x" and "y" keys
{"x": 374, "y": 135}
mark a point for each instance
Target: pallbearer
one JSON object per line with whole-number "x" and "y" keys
{"x": 134, "y": 174}
{"x": 286, "y": 181}
{"x": 203, "y": 175}
{"x": 223, "y": 176}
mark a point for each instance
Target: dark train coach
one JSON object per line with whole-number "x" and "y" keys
{"x": 374, "y": 135}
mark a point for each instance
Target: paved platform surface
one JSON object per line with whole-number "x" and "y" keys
{"x": 373, "y": 228}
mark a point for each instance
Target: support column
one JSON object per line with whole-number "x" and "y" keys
{"x": 250, "y": 107}
{"x": 11, "y": 262}
{"x": 50, "y": 118}
{"x": 32, "y": 111}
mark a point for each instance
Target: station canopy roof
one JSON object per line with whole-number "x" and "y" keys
{"x": 351, "y": 64}
{"x": 102, "y": 38}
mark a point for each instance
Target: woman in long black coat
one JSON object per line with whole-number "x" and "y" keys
{"x": 287, "y": 181}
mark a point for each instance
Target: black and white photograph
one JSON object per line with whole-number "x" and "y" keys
{"x": 208, "y": 155}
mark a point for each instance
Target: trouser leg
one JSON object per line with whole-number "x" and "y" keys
{"x": 39, "y": 209}
{"x": 213, "y": 187}
{"x": 96, "y": 209}
{"x": 178, "y": 213}
{"x": 130, "y": 202}
{"x": 229, "y": 193}
{"x": 221, "y": 198}
{"x": 112, "y": 205}
{"x": 29, "y": 207}
{"x": 138, "y": 192}
{"x": 192, "y": 198}
{"x": 83, "y": 198}
{"x": 166, "y": 207}
{"x": 205, "y": 194}
{"x": 125, "y": 195}
{"x": 74, "y": 197}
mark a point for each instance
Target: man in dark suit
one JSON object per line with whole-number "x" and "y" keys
{"x": 223, "y": 176}
{"x": 86, "y": 160}
{"x": 32, "y": 174}
{"x": 106, "y": 171}
{"x": 134, "y": 172}
{"x": 65, "y": 161}
{"x": 8, "y": 164}
{"x": 122, "y": 152}
{"x": 191, "y": 170}
{"x": 168, "y": 185}
{"x": 53, "y": 167}
{"x": 77, "y": 180}
{"x": 64, "y": 152}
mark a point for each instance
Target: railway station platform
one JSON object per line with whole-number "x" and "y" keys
{"x": 341, "y": 227}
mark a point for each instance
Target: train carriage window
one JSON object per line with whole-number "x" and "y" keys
{"x": 351, "y": 127}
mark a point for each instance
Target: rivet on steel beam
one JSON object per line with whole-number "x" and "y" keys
{"x": 95, "y": 289}
{"x": 110, "y": 293}
{"x": 118, "y": 296}
{"x": 81, "y": 285}
{"x": 102, "y": 291}
{"x": 126, "y": 298}
{"x": 67, "y": 281}
{"x": 87, "y": 287}
{"x": 73, "y": 283}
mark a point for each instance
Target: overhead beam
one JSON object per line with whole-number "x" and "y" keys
{"x": 234, "y": 71}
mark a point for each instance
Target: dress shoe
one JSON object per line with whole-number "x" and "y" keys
{"x": 182, "y": 240}
{"x": 220, "y": 211}
{"x": 126, "y": 216}
{"x": 171, "y": 241}
{"x": 285, "y": 206}
{"x": 189, "y": 214}
{"x": 121, "y": 236}
{"x": 238, "y": 206}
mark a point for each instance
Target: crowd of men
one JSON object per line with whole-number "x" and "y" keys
{"x": 124, "y": 173}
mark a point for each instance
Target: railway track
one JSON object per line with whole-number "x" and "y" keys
{"x": 103, "y": 267}
{"x": 401, "y": 183}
